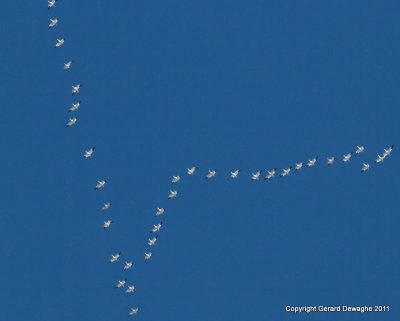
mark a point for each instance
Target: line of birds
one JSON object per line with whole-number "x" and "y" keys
{"x": 212, "y": 173}
{"x": 75, "y": 90}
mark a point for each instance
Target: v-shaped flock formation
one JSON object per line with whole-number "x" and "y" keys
{"x": 173, "y": 193}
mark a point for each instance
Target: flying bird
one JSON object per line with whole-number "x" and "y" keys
{"x": 387, "y": 152}
{"x": 100, "y": 184}
{"x": 286, "y": 171}
{"x": 235, "y": 173}
{"x": 133, "y": 311}
{"x": 51, "y": 4}
{"x": 360, "y": 149}
{"x": 75, "y": 106}
{"x": 68, "y": 65}
{"x": 270, "y": 174}
{"x": 147, "y": 256}
{"x": 256, "y": 176}
{"x": 60, "y": 42}
{"x": 130, "y": 289}
{"x": 312, "y": 162}
{"x": 106, "y": 206}
{"x": 190, "y": 171}
{"x": 175, "y": 179}
{"x": 76, "y": 89}
{"x": 89, "y": 153}
{"x": 365, "y": 168}
{"x": 156, "y": 228}
{"x": 120, "y": 284}
{"x": 330, "y": 160}
{"x": 211, "y": 174}
{"x": 53, "y": 22}
{"x": 72, "y": 121}
{"x": 299, "y": 166}
{"x": 380, "y": 158}
{"x": 160, "y": 211}
{"x": 128, "y": 266}
{"x": 107, "y": 224}
{"x": 347, "y": 157}
{"x": 152, "y": 241}
{"x": 172, "y": 194}
{"x": 114, "y": 257}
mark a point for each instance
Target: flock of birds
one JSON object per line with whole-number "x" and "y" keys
{"x": 234, "y": 174}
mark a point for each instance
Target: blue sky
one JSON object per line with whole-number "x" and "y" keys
{"x": 216, "y": 84}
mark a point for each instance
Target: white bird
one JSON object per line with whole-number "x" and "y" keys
{"x": 235, "y": 173}
{"x": 74, "y": 106}
{"x": 330, "y": 160}
{"x": 107, "y": 224}
{"x": 175, "y": 179}
{"x": 160, "y": 211}
{"x": 270, "y": 174}
{"x": 51, "y": 4}
{"x": 380, "y": 159}
{"x": 128, "y": 265}
{"x": 312, "y": 162}
{"x": 89, "y": 153}
{"x": 172, "y": 194}
{"x": 211, "y": 174}
{"x": 347, "y": 157}
{"x": 100, "y": 184}
{"x": 114, "y": 257}
{"x": 76, "y": 89}
{"x": 190, "y": 171}
{"x": 299, "y": 166}
{"x": 387, "y": 152}
{"x": 286, "y": 171}
{"x": 365, "y": 168}
{"x": 53, "y": 22}
{"x": 120, "y": 284}
{"x": 60, "y": 42}
{"x": 68, "y": 65}
{"x": 360, "y": 149}
{"x": 147, "y": 256}
{"x": 106, "y": 206}
{"x": 256, "y": 176}
{"x": 133, "y": 311}
{"x": 72, "y": 121}
{"x": 152, "y": 241}
{"x": 130, "y": 289}
{"x": 156, "y": 228}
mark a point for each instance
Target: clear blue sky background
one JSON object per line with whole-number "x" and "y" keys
{"x": 217, "y": 84}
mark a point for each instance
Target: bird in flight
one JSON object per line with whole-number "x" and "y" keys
{"x": 347, "y": 157}
{"x": 156, "y": 228}
{"x": 53, "y": 22}
{"x": 130, "y": 289}
{"x": 75, "y": 89}
{"x": 235, "y": 173}
{"x": 160, "y": 211}
{"x": 360, "y": 149}
{"x": 298, "y": 166}
{"x": 330, "y": 160}
{"x": 72, "y": 122}
{"x": 211, "y": 174}
{"x": 106, "y": 206}
{"x": 60, "y": 42}
{"x": 270, "y": 174}
{"x": 114, "y": 257}
{"x": 133, "y": 312}
{"x": 365, "y": 168}
{"x": 175, "y": 179}
{"x": 120, "y": 284}
{"x": 51, "y": 4}
{"x": 147, "y": 256}
{"x": 172, "y": 194}
{"x": 190, "y": 171}
{"x": 312, "y": 162}
{"x": 286, "y": 171}
{"x": 74, "y": 106}
{"x": 256, "y": 176}
{"x": 152, "y": 241}
{"x": 68, "y": 65}
{"x": 128, "y": 266}
{"x": 107, "y": 224}
{"x": 100, "y": 184}
{"x": 89, "y": 153}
